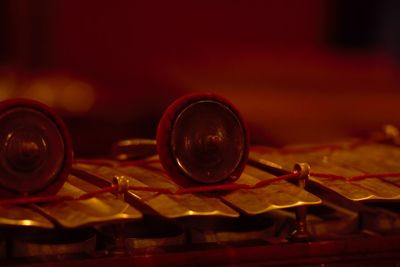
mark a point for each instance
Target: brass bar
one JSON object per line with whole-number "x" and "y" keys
{"x": 104, "y": 208}
{"x": 169, "y": 206}
{"x": 345, "y": 163}
{"x": 23, "y": 217}
{"x": 277, "y": 195}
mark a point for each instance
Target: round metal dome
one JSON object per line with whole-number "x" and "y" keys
{"x": 202, "y": 138}
{"x": 35, "y": 148}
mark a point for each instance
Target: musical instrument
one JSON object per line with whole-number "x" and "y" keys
{"x": 334, "y": 204}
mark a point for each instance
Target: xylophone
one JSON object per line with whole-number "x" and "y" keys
{"x": 198, "y": 195}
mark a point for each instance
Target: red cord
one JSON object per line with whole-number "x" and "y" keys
{"x": 180, "y": 191}
{"x": 115, "y": 189}
{"x": 199, "y": 189}
{"x": 327, "y": 175}
{"x": 151, "y": 189}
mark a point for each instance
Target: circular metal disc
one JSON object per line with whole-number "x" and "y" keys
{"x": 207, "y": 141}
{"x": 32, "y": 149}
{"x": 202, "y": 138}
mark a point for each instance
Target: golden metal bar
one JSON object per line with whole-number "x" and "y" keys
{"x": 23, "y": 216}
{"x": 277, "y": 195}
{"x": 104, "y": 208}
{"x": 169, "y": 206}
{"x": 346, "y": 162}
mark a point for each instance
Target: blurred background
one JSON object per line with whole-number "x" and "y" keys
{"x": 299, "y": 71}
